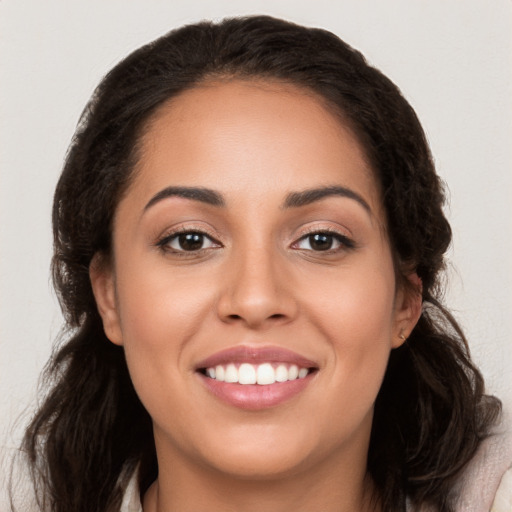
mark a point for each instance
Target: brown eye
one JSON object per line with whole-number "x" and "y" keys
{"x": 189, "y": 241}
{"x": 321, "y": 241}
{"x": 324, "y": 241}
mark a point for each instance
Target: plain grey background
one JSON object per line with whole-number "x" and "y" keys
{"x": 452, "y": 60}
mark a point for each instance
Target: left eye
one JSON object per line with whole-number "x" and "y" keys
{"x": 189, "y": 242}
{"x": 321, "y": 242}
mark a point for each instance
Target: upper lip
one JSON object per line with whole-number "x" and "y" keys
{"x": 248, "y": 354}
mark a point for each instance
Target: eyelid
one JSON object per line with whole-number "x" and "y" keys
{"x": 319, "y": 227}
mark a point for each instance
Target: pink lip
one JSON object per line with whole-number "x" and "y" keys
{"x": 253, "y": 396}
{"x": 247, "y": 354}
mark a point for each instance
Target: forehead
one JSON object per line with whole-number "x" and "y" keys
{"x": 256, "y": 136}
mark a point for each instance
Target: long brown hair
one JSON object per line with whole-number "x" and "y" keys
{"x": 92, "y": 434}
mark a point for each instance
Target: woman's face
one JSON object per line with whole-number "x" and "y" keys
{"x": 252, "y": 284}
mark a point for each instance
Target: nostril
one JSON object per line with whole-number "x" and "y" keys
{"x": 253, "y": 308}
{"x": 275, "y": 317}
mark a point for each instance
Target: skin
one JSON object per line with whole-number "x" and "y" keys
{"x": 257, "y": 283}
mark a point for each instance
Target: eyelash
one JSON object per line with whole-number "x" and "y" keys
{"x": 164, "y": 243}
{"x": 345, "y": 242}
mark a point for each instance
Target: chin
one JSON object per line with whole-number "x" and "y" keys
{"x": 264, "y": 466}
{"x": 260, "y": 454}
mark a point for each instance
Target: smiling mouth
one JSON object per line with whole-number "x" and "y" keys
{"x": 262, "y": 374}
{"x": 256, "y": 378}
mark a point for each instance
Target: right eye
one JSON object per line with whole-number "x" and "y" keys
{"x": 187, "y": 241}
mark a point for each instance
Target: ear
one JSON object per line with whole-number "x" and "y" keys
{"x": 103, "y": 287}
{"x": 408, "y": 304}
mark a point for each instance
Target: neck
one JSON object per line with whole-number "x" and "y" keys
{"x": 321, "y": 487}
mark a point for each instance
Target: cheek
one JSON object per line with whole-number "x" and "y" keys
{"x": 355, "y": 315}
{"x": 159, "y": 315}
{"x": 356, "y": 308}
{"x": 158, "y": 304}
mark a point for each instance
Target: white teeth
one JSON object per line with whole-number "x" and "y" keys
{"x": 231, "y": 374}
{"x": 265, "y": 374}
{"x": 219, "y": 373}
{"x": 281, "y": 373}
{"x": 293, "y": 372}
{"x": 246, "y": 374}
{"x": 262, "y": 374}
{"x": 303, "y": 372}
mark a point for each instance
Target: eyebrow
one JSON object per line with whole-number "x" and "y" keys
{"x": 297, "y": 199}
{"x": 293, "y": 200}
{"x": 203, "y": 195}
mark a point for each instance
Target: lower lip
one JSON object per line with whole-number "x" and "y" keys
{"x": 254, "y": 396}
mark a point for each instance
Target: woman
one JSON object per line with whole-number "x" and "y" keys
{"x": 249, "y": 239}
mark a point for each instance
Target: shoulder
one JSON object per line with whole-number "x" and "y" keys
{"x": 503, "y": 499}
{"x": 131, "y": 500}
{"x": 485, "y": 484}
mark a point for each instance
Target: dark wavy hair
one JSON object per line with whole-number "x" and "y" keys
{"x": 91, "y": 433}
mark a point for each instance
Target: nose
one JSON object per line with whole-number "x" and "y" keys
{"x": 257, "y": 291}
